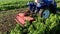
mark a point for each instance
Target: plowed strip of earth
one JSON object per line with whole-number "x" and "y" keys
{"x": 7, "y": 21}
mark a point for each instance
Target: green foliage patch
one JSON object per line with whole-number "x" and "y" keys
{"x": 40, "y": 26}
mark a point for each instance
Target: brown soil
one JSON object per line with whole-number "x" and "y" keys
{"x": 7, "y": 21}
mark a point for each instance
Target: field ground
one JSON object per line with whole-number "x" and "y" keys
{"x": 7, "y": 18}
{"x": 7, "y": 21}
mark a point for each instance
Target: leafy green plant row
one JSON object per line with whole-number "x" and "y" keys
{"x": 14, "y": 5}
{"x": 40, "y": 26}
{"x": 12, "y": 1}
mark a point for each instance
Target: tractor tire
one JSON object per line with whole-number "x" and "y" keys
{"x": 45, "y": 13}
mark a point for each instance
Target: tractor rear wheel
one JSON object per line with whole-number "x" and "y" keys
{"x": 45, "y": 13}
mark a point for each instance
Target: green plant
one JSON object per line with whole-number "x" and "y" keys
{"x": 40, "y": 26}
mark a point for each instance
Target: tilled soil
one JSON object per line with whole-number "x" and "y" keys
{"x": 7, "y": 21}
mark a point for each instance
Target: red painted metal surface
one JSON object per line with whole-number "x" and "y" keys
{"x": 21, "y": 18}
